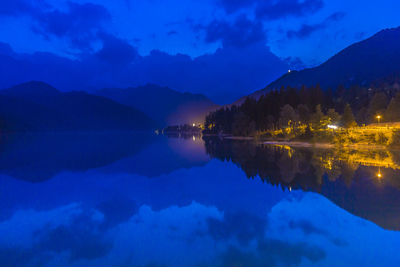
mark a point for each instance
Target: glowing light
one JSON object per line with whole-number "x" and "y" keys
{"x": 334, "y": 127}
{"x": 289, "y": 71}
{"x": 194, "y": 138}
{"x": 194, "y": 124}
{"x": 379, "y": 118}
{"x": 290, "y": 189}
{"x": 379, "y": 174}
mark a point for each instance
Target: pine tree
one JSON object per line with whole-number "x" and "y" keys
{"x": 348, "y": 120}
{"x": 333, "y": 116}
{"x": 393, "y": 111}
{"x": 377, "y": 105}
{"x": 319, "y": 120}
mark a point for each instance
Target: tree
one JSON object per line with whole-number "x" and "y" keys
{"x": 348, "y": 120}
{"x": 242, "y": 125}
{"x": 393, "y": 111}
{"x": 333, "y": 116}
{"x": 304, "y": 114}
{"x": 377, "y": 106}
{"x": 318, "y": 119}
{"x": 288, "y": 116}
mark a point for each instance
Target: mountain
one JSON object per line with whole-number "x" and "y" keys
{"x": 163, "y": 104}
{"x": 37, "y": 106}
{"x": 36, "y": 157}
{"x": 359, "y": 64}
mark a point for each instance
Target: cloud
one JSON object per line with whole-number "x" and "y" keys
{"x": 241, "y": 33}
{"x": 116, "y": 51}
{"x": 295, "y": 63}
{"x": 272, "y": 9}
{"x": 117, "y": 210}
{"x": 225, "y": 75}
{"x": 79, "y": 24}
{"x": 286, "y": 8}
{"x": 242, "y": 226}
{"x": 306, "y": 29}
{"x": 231, "y": 6}
{"x": 21, "y": 7}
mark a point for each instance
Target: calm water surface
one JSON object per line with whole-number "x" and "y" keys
{"x": 124, "y": 199}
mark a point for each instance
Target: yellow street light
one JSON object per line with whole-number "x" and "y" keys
{"x": 379, "y": 174}
{"x": 379, "y": 118}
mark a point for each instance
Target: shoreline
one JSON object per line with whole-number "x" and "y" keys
{"x": 329, "y": 146}
{"x": 307, "y": 144}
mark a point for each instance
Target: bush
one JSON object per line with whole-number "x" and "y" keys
{"x": 381, "y": 139}
{"x": 394, "y": 139}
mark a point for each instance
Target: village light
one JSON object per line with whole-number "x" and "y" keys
{"x": 194, "y": 124}
{"x": 379, "y": 118}
{"x": 334, "y": 127}
{"x": 379, "y": 174}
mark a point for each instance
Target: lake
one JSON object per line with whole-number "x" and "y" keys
{"x": 137, "y": 199}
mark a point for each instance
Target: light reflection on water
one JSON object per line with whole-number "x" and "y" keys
{"x": 125, "y": 199}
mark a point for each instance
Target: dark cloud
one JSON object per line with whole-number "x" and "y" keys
{"x": 79, "y": 24}
{"x": 306, "y": 29}
{"x": 285, "y": 8}
{"x": 116, "y": 51}
{"x": 82, "y": 239}
{"x": 241, "y": 33}
{"x": 308, "y": 229}
{"x": 117, "y": 210}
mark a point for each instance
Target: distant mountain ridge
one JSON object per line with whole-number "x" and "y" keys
{"x": 359, "y": 64}
{"x": 163, "y": 104}
{"x": 37, "y": 106}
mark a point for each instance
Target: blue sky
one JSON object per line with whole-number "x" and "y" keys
{"x": 286, "y": 33}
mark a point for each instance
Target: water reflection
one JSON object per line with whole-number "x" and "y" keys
{"x": 165, "y": 202}
{"x": 38, "y": 157}
{"x": 364, "y": 182}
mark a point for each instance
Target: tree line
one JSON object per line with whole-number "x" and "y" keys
{"x": 310, "y": 107}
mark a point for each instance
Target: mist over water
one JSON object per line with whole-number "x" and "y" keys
{"x": 137, "y": 199}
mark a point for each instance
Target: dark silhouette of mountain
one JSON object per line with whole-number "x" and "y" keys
{"x": 359, "y": 64}
{"x": 36, "y": 106}
{"x": 37, "y": 157}
{"x": 163, "y": 104}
